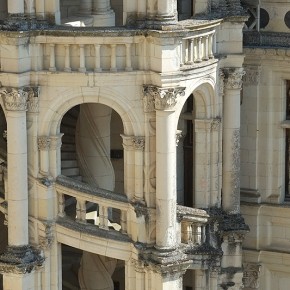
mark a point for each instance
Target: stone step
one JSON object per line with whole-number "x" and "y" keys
{"x": 74, "y": 112}
{"x": 69, "y": 164}
{"x": 68, "y": 139}
{"x": 74, "y": 171}
{"x": 66, "y": 147}
{"x": 67, "y": 130}
{"x": 68, "y": 120}
{"x": 68, "y": 155}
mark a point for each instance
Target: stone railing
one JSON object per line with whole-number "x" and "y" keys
{"x": 110, "y": 208}
{"x": 88, "y": 53}
{"x": 197, "y": 49}
{"x": 193, "y": 225}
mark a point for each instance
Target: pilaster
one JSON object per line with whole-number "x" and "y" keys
{"x": 231, "y": 139}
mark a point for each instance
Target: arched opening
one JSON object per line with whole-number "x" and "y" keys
{"x": 185, "y": 9}
{"x": 185, "y": 154}
{"x": 3, "y": 9}
{"x": 84, "y": 270}
{"x": 84, "y": 13}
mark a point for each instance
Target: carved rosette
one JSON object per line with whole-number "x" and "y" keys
{"x": 252, "y": 76}
{"x": 233, "y": 78}
{"x": 161, "y": 98}
{"x": 43, "y": 143}
{"x": 14, "y": 99}
{"x": 33, "y": 99}
{"x": 138, "y": 143}
{"x": 251, "y": 277}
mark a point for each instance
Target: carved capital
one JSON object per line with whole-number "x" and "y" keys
{"x": 252, "y": 76}
{"x": 138, "y": 143}
{"x": 215, "y": 124}
{"x": 55, "y": 142}
{"x": 251, "y": 277}
{"x": 161, "y": 98}
{"x": 233, "y": 78}
{"x": 43, "y": 143}
{"x": 33, "y": 99}
{"x": 14, "y": 99}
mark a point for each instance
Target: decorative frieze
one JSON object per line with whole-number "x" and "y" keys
{"x": 161, "y": 98}
{"x": 43, "y": 143}
{"x": 233, "y": 78}
{"x": 252, "y": 76}
{"x": 14, "y": 99}
{"x": 251, "y": 278}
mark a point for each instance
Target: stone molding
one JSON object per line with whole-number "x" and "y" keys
{"x": 156, "y": 98}
{"x": 20, "y": 260}
{"x": 233, "y": 78}
{"x": 252, "y": 76}
{"x": 43, "y": 143}
{"x": 138, "y": 143}
{"x": 251, "y": 277}
{"x": 221, "y": 82}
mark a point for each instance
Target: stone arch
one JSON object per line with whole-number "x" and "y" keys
{"x": 129, "y": 115}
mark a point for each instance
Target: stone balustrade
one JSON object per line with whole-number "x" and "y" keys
{"x": 198, "y": 48}
{"x": 105, "y": 201}
{"x": 193, "y": 225}
{"x": 84, "y": 54}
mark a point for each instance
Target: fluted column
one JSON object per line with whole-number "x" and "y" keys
{"x": 164, "y": 102}
{"x": 231, "y": 140}
{"x": 15, "y": 102}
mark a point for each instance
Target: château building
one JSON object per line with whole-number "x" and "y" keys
{"x": 121, "y": 128}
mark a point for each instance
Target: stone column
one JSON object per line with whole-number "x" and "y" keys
{"x": 15, "y": 6}
{"x": 166, "y": 10}
{"x": 20, "y": 258}
{"x": 102, "y": 13}
{"x": 15, "y": 102}
{"x": 86, "y": 7}
{"x": 165, "y": 101}
{"x": 231, "y": 140}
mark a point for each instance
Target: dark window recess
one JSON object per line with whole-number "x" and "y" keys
{"x": 264, "y": 18}
{"x": 188, "y": 288}
{"x": 287, "y": 19}
{"x": 116, "y": 285}
{"x": 117, "y": 154}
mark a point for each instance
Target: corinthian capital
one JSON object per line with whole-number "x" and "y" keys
{"x": 33, "y": 100}
{"x": 14, "y": 99}
{"x": 233, "y": 78}
{"x": 161, "y": 98}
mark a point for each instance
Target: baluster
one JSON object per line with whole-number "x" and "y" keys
{"x": 61, "y": 205}
{"x": 67, "y": 67}
{"x": 103, "y": 217}
{"x": 123, "y": 221}
{"x": 205, "y": 56}
{"x": 81, "y": 211}
{"x": 52, "y": 57}
{"x": 128, "y": 57}
{"x": 198, "y": 57}
{"x": 98, "y": 58}
{"x": 181, "y": 54}
{"x": 197, "y": 234}
{"x": 210, "y": 46}
{"x": 113, "y": 58}
{"x": 186, "y": 232}
{"x": 214, "y": 43}
{"x": 82, "y": 67}
{"x": 190, "y": 51}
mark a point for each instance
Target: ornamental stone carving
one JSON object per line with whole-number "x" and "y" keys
{"x": 43, "y": 143}
{"x": 233, "y": 78}
{"x": 14, "y": 99}
{"x": 33, "y": 99}
{"x": 251, "y": 278}
{"x": 215, "y": 123}
{"x": 161, "y": 98}
{"x": 55, "y": 142}
{"x": 46, "y": 241}
{"x": 138, "y": 143}
{"x": 252, "y": 76}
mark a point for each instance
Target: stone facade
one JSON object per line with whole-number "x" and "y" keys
{"x": 120, "y": 146}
